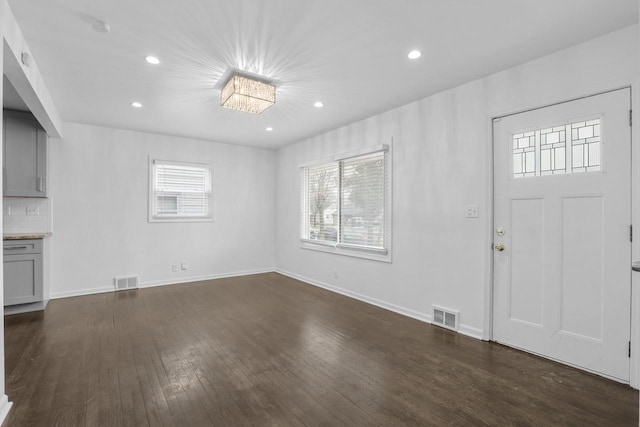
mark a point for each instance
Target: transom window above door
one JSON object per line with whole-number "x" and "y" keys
{"x": 571, "y": 148}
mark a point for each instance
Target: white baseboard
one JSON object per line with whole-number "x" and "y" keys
{"x": 5, "y": 406}
{"x": 163, "y": 282}
{"x": 424, "y": 317}
{"x": 206, "y": 277}
{"x": 470, "y": 331}
{"x": 81, "y": 292}
{"x": 379, "y": 303}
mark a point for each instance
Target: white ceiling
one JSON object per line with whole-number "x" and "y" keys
{"x": 351, "y": 55}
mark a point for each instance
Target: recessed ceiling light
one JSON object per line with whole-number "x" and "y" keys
{"x": 414, "y": 54}
{"x": 136, "y": 104}
{"x": 269, "y": 129}
{"x": 318, "y": 104}
{"x": 152, "y": 60}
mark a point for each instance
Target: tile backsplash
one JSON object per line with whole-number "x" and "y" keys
{"x": 27, "y": 215}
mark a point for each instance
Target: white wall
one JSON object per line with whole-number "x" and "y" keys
{"x": 441, "y": 162}
{"x": 99, "y": 190}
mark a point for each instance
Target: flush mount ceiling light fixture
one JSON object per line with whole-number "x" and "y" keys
{"x": 246, "y": 94}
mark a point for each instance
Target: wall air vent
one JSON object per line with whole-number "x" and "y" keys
{"x": 445, "y": 318}
{"x": 124, "y": 283}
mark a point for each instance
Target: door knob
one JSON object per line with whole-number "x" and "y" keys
{"x": 499, "y": 247}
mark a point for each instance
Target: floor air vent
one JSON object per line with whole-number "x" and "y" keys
{"x": 124, "y": 283}
{"x": 445, "y": 318}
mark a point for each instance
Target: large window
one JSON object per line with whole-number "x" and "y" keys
{"x": 179, "y": 191}
{"x": 345, "y": 203}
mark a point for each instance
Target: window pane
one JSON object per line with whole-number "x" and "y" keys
{"x": 322, "y": 196}
{"x": 167, "y": 204}
{"x": 524, "y": 159}
{"x": 363, "y": 201}
{"x": 552, "y": 148}
{"x": 586, "y": 146}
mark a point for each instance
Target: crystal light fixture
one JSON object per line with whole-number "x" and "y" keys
{"x": 245, "y": 94}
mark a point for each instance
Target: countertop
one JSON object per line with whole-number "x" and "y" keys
{"x": 23, "y": 236}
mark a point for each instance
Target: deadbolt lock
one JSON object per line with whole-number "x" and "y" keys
{"x": 500, "y": 231}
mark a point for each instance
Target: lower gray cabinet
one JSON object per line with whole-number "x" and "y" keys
{"x": 23, "y": 271}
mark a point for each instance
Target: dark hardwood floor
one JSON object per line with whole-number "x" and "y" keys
{"x": 267, "y": 350}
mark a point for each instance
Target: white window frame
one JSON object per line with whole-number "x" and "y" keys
{"x": 154, "y": 217}
{"x": 338, "y": 248}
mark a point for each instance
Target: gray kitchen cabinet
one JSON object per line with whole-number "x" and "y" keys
{"x": 25, "y": 156}
{"x": 23, "y": 271}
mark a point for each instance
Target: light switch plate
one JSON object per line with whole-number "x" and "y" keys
{"x": 471, "y": 211}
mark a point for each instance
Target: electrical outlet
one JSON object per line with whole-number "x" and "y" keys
{"x": 184, "y": 265}
{"x": 471, "y": 211}
{"x": 174, "y": 267}
{"x": 33, "y": 210}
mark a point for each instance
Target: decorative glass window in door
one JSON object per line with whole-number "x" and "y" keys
{"x": 524, "y": 154}
{"x": 585, "y": 141}
{"x": 553, "y": 148}
{"x": 546, "y": 151}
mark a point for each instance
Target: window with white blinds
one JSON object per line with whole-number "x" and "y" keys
{"x": 179, "y": 191}
{"x": 345, "y": 203}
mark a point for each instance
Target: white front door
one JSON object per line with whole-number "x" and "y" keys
{"x": 562, "y": 250}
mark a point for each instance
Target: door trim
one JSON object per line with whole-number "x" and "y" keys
{"x": 487, "y": 330}
{"x": 634, "y": 369}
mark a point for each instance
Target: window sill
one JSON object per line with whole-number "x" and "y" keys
{"x": 181, "y": 219}
{"x": 382, "y": 255}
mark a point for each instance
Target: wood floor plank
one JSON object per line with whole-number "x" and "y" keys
{"x": 267, "y": 350}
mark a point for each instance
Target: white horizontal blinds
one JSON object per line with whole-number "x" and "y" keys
{"x": 345, "y": 202}
{"x": 181, "y": 190}
{"x": 322, "y": 202}
{"x": 362, "y": 201}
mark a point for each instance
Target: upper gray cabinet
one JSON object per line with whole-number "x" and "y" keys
{"x": 24, "y": 156}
